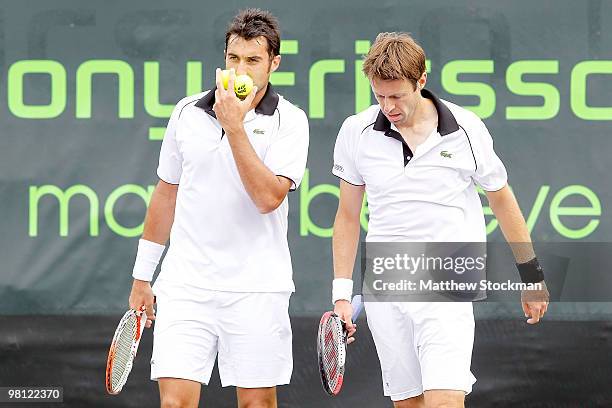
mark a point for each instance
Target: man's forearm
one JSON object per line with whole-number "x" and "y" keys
{"x": 160, "y": 214}
{"x": 263, "y": 186}
{"x": 344, "y": 245}
{"x": 512, "y": 223}
{"x": 157, "y": 226}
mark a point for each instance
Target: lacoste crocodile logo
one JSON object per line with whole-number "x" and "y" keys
{"x": 446, "y": 154}
{"x": 259, "y": 131}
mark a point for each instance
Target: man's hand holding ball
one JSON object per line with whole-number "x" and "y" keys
{"x": 243, "y": 84}
{"x": 232, "y": 106}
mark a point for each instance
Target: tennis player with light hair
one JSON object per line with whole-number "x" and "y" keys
{"x": 420, "y": 159}
{"x": 225, "y": 168}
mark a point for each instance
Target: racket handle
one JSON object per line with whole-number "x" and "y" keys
{"x": 357, "y": 304}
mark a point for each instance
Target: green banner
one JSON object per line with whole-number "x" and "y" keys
{"x": 87, "y": 88}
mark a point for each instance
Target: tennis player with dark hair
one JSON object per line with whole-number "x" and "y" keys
{"x": 420, "y": 159}
{"x": 225, "y": 168}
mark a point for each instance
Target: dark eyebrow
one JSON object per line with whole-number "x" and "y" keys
{"x": 398, "y": 95}
{"x": 252, "y": 57}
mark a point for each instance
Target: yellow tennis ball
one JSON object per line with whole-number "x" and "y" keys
{"x": 243, "y": 85}
{"x": 225, "y": 74}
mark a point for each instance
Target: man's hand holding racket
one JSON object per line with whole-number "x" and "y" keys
{"x": 141, "y": 314}
{"x": 142, "y": 295}
{"x": 344, "y": 310}
{"x": 335, "y": 329}
{"x": 124, "y": 345}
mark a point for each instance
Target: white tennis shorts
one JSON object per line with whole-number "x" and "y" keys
{"x": 422, "y": 346}
{"x": 250, "y": 332}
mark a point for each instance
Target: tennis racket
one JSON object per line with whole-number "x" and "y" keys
{"x": 123, "y": 349}
{"x": 331, "y": 348}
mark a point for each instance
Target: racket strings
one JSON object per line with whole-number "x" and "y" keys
{"x": 333, "y": 360}
{"x": 123, "y": 351}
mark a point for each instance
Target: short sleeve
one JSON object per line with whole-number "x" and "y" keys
{"x": 345, "y": 153}
{"x": 490, "y": 172}
{"x": 170, "y": 158}
{"x": 288, "y": 153}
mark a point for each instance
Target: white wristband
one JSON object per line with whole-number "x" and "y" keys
{"x": 147, "y": 258}
{"x": 342, "y": 288}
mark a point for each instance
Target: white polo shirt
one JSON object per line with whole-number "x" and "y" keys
{"x": 427, "y": 195}
{"x": 219, "y": 240}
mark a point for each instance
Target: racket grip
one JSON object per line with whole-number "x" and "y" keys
{"x": 357, "y": 304}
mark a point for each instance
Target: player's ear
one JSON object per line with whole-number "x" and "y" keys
{"x": 275, "y": 62}
{"x": 422, "y": 81}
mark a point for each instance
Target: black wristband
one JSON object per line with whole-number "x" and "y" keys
{"x": 531, "y": 271}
